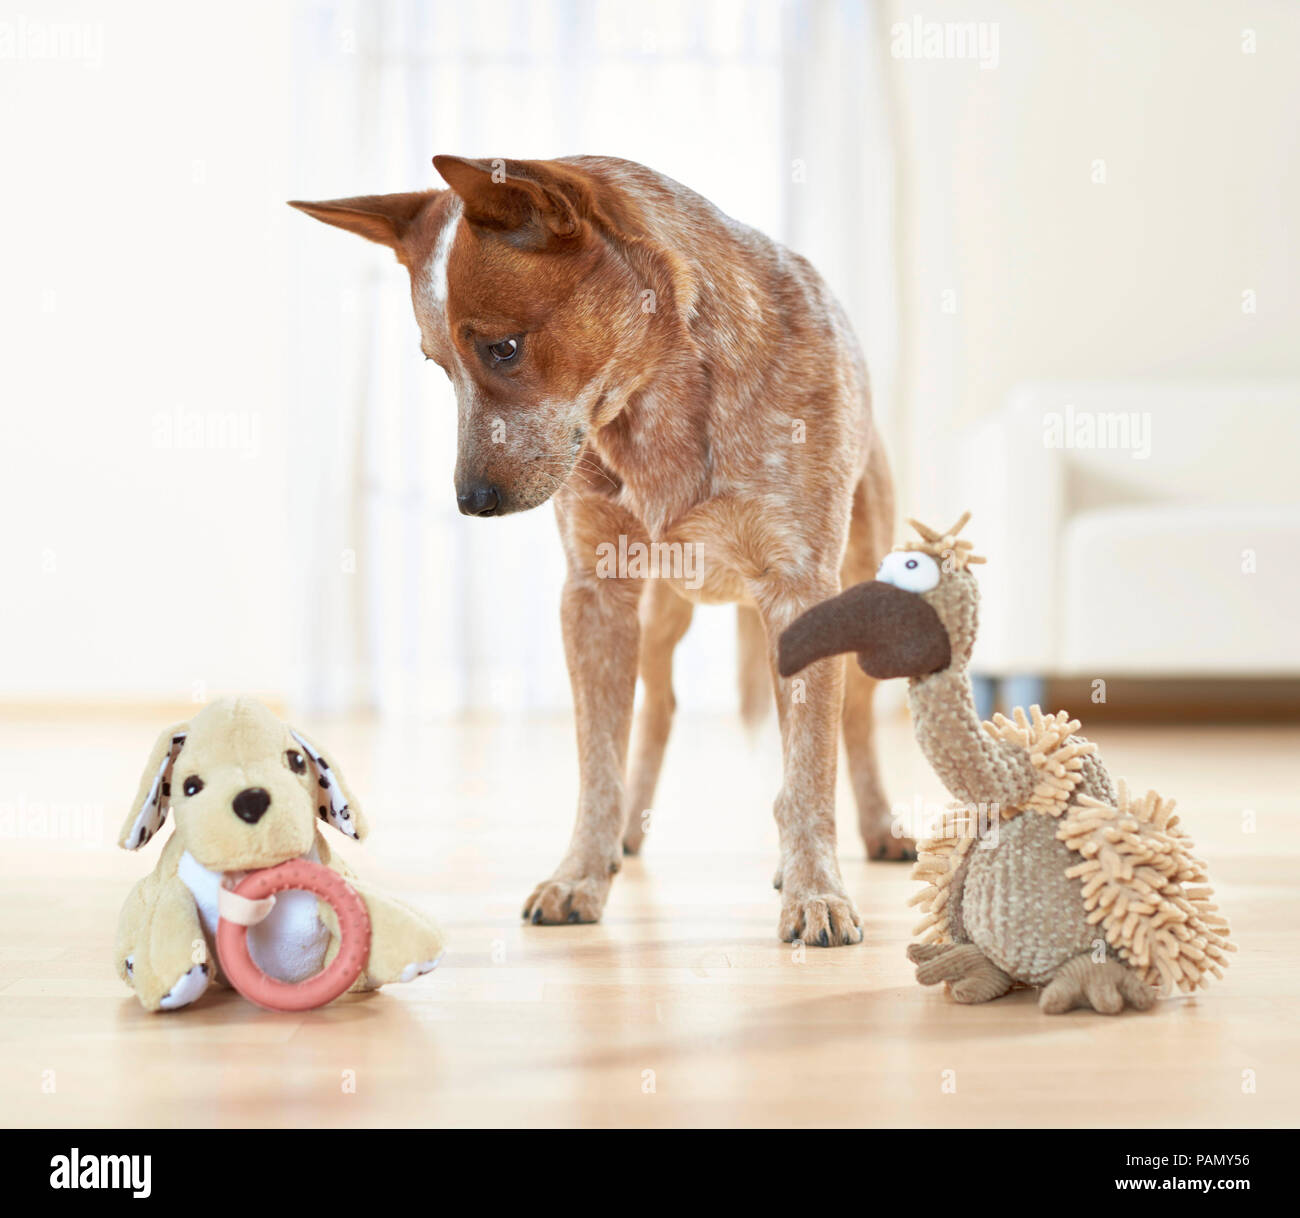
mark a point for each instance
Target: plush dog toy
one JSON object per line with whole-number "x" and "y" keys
{"x": 1044, "y": 873}
{"x": 248, "y": 791}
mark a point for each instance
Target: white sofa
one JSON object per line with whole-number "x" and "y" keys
{"x": 1137, "y": 530}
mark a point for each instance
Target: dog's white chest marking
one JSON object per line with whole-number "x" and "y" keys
{"x": 289, "y": 944}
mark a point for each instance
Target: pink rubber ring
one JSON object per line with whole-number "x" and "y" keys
{"x": 325, "y": 986}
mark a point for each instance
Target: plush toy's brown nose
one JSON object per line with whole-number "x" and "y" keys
{"x": 251, "y": 803}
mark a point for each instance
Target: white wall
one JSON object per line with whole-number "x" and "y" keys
{"x": 142, "y": 294}
{"x": 1058, "y": 277}
{"x": 152, "y": 276}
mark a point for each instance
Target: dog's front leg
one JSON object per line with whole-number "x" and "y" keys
{"x": 601, "y": 639}
{"x": 815, "y": 908}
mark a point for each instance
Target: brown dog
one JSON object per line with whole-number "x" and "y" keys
{"x": 690, "y": 394}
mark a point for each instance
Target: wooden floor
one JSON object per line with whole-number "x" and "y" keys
{"x": 682, "y": 1008}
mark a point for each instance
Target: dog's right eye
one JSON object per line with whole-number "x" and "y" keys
{"x": 193, "y": 785}
{"x": 504, "y": 351}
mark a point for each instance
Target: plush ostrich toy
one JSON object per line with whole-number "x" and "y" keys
{"x": 1043, "y": 873}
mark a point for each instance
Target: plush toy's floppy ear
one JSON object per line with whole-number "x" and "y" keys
{"x": 334, "y": 802}
{"x": 153, "y": 798}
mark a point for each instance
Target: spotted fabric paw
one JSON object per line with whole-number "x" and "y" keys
{"x": 187, "y": 990}
{"x": 419, "y": 968}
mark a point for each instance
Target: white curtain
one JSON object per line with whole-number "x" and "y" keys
{"x": 773, "y": 110}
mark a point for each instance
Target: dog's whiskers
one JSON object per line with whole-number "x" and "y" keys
{"x": 560, "y": 472}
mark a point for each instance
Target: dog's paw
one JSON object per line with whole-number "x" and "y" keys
{"x": 633, "y": 839}
{"x": 556, "y": 901}
{"x": 825, "y": 919}
{"x": 189, "y": 988}
{"x": 417, "y": 968}
{"x": 888, "y": 848}
{"x": 634, "y": 833}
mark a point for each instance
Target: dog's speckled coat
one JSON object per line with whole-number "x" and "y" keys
{"x": 670, "y": 376}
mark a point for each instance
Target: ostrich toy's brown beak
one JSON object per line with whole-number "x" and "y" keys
{"x": 895, "y": 633}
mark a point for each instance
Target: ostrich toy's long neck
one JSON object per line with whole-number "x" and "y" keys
{"x": 974, "y": 766}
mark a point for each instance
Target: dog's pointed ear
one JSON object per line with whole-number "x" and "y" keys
{"x": 334, "y": 802}
{"x": 153, "y": 798}
{"x": 532, "y": 202}
{"x": 380, "y": 218}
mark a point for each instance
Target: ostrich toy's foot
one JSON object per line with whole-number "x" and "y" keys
{"x": 1106, "y": 988}
{"x": 970, "y": 974}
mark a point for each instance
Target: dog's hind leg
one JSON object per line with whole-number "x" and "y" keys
{"x": 754, "y": 674}
{"x": 870, "y": 535}
{"x": 875, "y": 821}
{"x": 665, "y": 617}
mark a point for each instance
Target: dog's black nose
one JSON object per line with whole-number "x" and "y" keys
{"x": 479, "y": 500}
{"x": 251, "y": 803}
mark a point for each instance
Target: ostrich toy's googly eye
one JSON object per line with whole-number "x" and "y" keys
{"x": 910, "y": 570}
